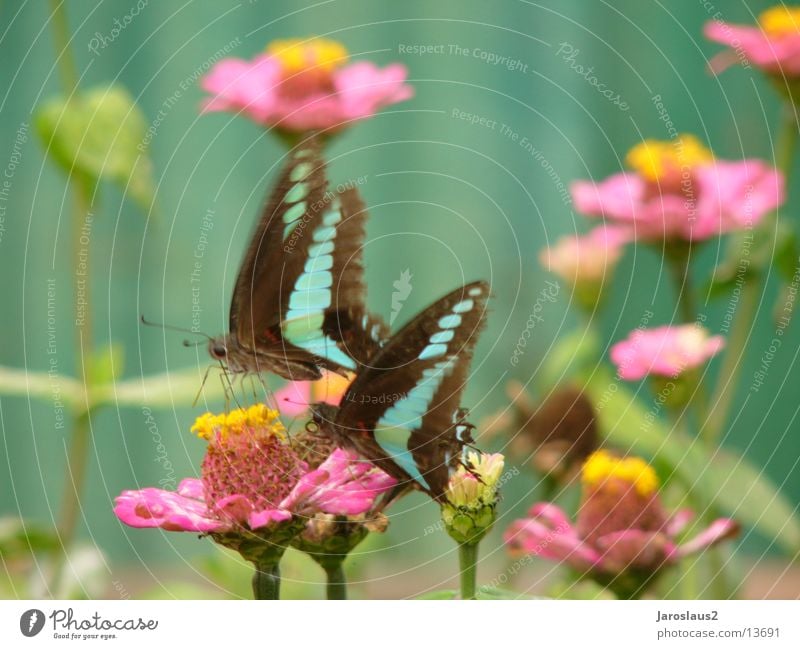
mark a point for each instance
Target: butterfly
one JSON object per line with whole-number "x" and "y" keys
{"x": 402, "y": 411}
{"x": 298, "y": 302}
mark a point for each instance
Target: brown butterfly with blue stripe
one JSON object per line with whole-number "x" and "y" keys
{"x": 402, "y": 411}
{"x": 298, "y": 303}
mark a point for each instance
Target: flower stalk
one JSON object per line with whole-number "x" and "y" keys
{"x": 468, "y": 563}
{"x": 336, "y": 587}
{"x": 80, "y": 440}
{"x": 267, "y": 581}
{"x": 722, "y": 400}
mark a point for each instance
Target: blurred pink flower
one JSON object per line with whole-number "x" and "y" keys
{"x": 678, "y": 192}
{"x": 299, "y": 85}
{"x": 252, "y": 480}
{"x": 294, "y": 398}
{"x": 591, "y": 257}
{"x": 664, "y": 351}
{"x": 773, "y": 45}
{"x": 622, "y": 537}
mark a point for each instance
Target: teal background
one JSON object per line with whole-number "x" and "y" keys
{"x": 449, "y": 200}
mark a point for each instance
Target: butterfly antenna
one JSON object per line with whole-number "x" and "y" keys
{"x": 183, "y": 330}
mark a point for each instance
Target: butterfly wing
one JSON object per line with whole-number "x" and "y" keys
{"x": 402, "y": 412}
{"x": 356, "y": 331}
{"x": 286, "y": 289}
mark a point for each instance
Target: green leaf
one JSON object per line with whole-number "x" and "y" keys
{"x": 21, "y": 383}
{"x": 106, "y": 365}
{"x": 19, "y": 538}
{"x": 744, "y": 492}
{"x": 571, "y": 354}
{"x": 483, "y": 592}
{"x": 166, "y": 390}
{"x": 99, "y": 133}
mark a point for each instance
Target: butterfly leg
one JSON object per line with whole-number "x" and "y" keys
{"x": 202, "y": 385}
{"x": 397, "y": 492}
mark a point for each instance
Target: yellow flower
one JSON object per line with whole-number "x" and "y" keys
{"x": 780, "y": 21}
{"x": 667, "y": 160}
{"x": 602, "y": 466}
{"x": 257, "y": 418}
{"x": 298, "y": 54}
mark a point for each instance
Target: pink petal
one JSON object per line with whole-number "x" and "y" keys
{"x": 664, "y": 351}
{"x": 614, "y": 198}
{"x": 258, "y": 520}
{"x": 530, "y": 536}
{"x": 192, "y": 488}
{"x": 168, "y": 510}
{"x": 235, "y": 508}
{"x": 753, "y": 46}
{"x": 735, "y": 195}
{"x": 720, "y": 530}
{"x": 363, "y": 88}
{"x": 553, "y": 517}
{"x": 343, "y": 485}
{"x": 679, "y": 521}
{"x": 248, "y": 86}
{"x": 634, "y": 549}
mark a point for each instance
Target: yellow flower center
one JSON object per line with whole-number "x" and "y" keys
{"x": 602, "y": 466}
{"x": 780, "y": 21}
{"x": 659, "y": 160}
{"x": 257, "y": 418}
{"x": 297, "y": 54}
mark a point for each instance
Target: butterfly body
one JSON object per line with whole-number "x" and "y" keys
{"x": 298, "y": 303}
{"x": 402, "y": 411}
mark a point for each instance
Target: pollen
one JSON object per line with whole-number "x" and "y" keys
{"x": 780, "y": 21}
{"x": 297, "y": 54}
{"x": 667, "y": 161}
{"x": 603, "y": 466}
{"x": 257, "y": 419}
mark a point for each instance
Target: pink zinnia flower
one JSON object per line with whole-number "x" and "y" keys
{"x": 587, "y": 258}
{"x": 254, "y": 485}
{"x": 299, "y": 85}
{"x": 773, "y": 45}
{"x": 622, "y": 537}
{"x": 679, "y": 191}
{"x": 664, "y": 351}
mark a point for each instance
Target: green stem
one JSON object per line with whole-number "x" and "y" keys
{"x": 267, "y": 581}
{"x": 337, "y": 583}
{"x": 787, "y": 141}
{"x": 733, "y": 360}
{"x": 66, "y": 60}
{"x": 74, "y": 481}
{"x": 468, "y": 563}
{"x": 80, "y": 440}
{"x": 749, "y": 298}
{"x": 678, "y": 259}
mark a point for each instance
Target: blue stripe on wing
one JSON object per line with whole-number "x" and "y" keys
{"x": 394, "y": 429}
{"x": 313, "y": 294}
{"x": 406, "y": 415}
